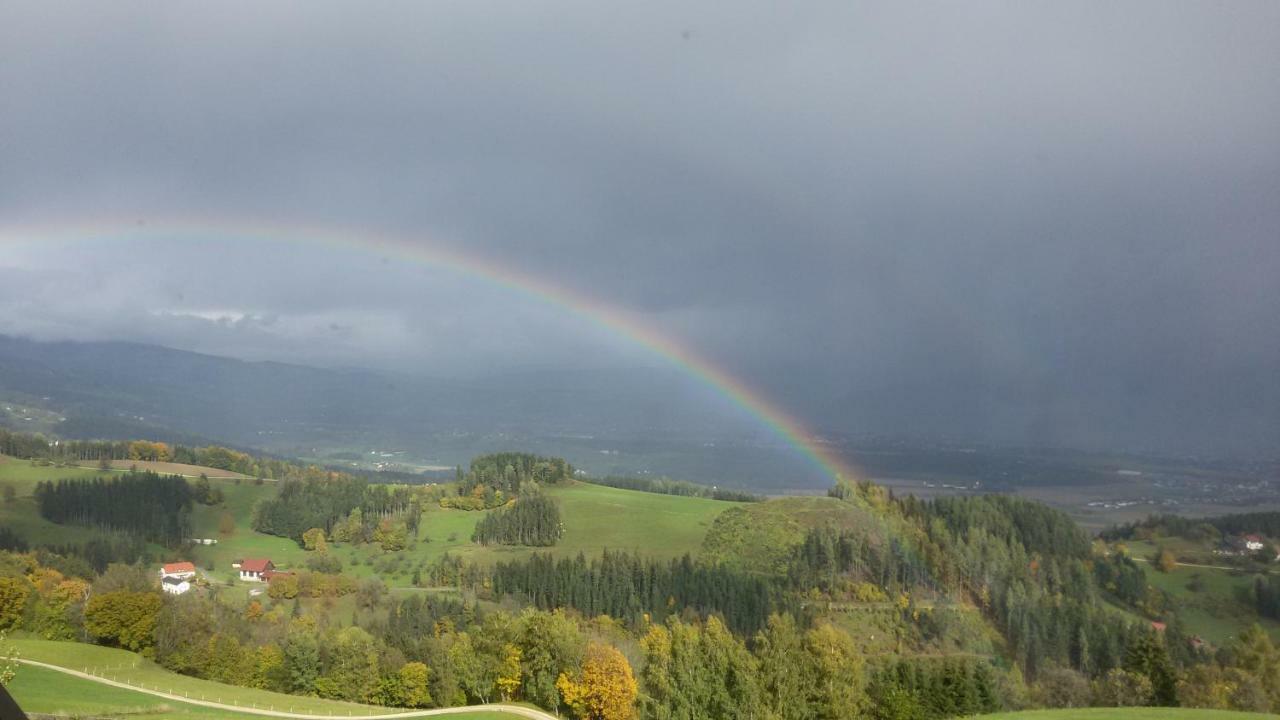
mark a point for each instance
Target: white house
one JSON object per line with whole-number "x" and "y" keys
{"x": 1253, "y": 543}
{"x": 174, "y": 585}
{"x": 254, "y": 569}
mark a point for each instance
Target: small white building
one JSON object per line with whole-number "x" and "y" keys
{"x": 174, "y": 585}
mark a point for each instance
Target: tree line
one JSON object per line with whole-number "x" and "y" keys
{"x": 332, "y": 501}
{"x": 667, "y": 486}
{"x": 634, "y": 589}
{"x": 493, "y": 480}
{"x": 1197, "y": 529}
{"x": 533, "y": 519}
{"x": 151, "y": 506}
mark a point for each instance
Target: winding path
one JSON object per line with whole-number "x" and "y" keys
{"x": 516, "y": 710}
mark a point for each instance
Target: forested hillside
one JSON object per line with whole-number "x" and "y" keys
{"x": 855, "y": 605}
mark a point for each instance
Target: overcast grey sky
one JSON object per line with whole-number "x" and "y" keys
{"x": 1018, "y": 222}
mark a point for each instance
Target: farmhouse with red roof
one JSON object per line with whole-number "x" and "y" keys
{"x": 175, "y": 578}
{"x": 184, "y": 570}
{"x": 256, "y": 569}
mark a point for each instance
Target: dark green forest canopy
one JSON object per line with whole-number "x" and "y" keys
{"x": 154, "y": 507}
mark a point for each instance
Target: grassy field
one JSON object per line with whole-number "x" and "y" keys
{"x": 1128, "y": 714}
{"x": 1212, "y": 602}
{"x": 23, "y": 475}
{"x": 595, "y": 518}
{"x": 41, "y": 690}
{"x": 170, "y": 468}
{"x": 22, "y": 516}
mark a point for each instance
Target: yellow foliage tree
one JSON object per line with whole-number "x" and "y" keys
{"x": 604, "y": 689}
{"x": 509, "y": 677}
{"x": 313, "y": 539}
{"x": 156, "y": 451}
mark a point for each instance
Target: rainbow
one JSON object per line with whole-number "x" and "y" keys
{"x": 615, "y": 320}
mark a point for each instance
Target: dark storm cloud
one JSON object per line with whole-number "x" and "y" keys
{"x": 1024, "y": 222}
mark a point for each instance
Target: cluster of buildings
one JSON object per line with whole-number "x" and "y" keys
{"x": 1236, "y": 546}
{"x": 176, "y": 577}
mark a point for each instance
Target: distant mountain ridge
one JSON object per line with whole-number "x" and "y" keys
{"x": 127, "y": 390}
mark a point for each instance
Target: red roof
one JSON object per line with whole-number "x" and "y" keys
{"x": 1157, "y": 625}
{"x": 178, "y": 567}
{"x": 255, "y": 565}
{"x": 1253, "y": 538}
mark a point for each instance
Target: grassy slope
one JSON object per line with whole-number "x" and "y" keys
{"x": 595, "y": 518}
{"x": 1127, "y": 714}
{"x": 169, "y": 468}
{"x": 39, "y": 690}
{"x": 42, "y": 690}
{"x": 1218, "y": 612}
{"x": 758, "y": 536}
{"x": 22, "y": 516}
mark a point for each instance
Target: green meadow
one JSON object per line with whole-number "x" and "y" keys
{"x": 21, "y": 515}
{"x": 595, "y": 518}
{"x": 42, "y": 690}
{"x": 1212, "y": 602}
{"x": 48, "y": 691}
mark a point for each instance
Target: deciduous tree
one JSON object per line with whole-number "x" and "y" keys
{"x": 604, "y": 689}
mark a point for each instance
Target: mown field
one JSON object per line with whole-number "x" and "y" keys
{"x": 1128, "y": 714}
{"x": 48, "y": 691}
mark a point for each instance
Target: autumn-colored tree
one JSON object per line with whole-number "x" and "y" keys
{"x": 154, "y": 451}
{"x": 226, "y": 524}
{"x": 1166, "y": 561}
{"x": 352, "y": 671}
{"x": 253, "y": 611}
{"x": 269, "y": 670}
{"x": 13, "y": 600}
{"x": 282, "y": 586}
{"x": 474, "y": 671}
{"x": 838, "y": 672}
{"x": 391, "y": 535}
{"x": 313, "y": 539}
{"x": 1122, "y": 688}
{"x": 509, "y": 674}
{"x": 414, "y": 689}
{"x": 53, "y": 616}
{"x": 124, "y": 618}
{"x": 8, "y": 660}
{"x": 604, "y": 689}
